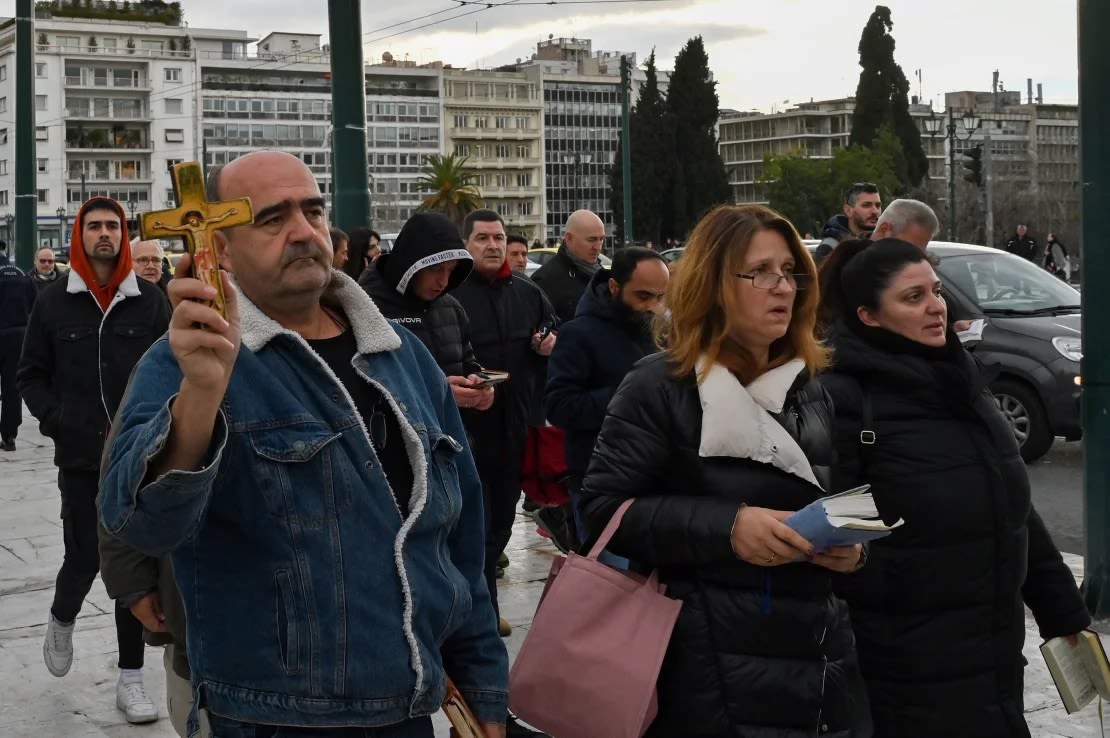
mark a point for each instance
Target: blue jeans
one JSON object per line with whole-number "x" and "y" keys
{"x": 224, "y": 728}
{"x": 574, "y": 487}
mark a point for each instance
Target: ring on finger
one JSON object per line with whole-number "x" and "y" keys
{"x": 771, "y": 558}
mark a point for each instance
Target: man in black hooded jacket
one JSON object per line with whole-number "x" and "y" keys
{"x": 410, "y": 285}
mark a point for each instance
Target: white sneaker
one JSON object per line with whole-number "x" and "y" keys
{"x": 57, "y": 648}
{"x": 131, "y": 698}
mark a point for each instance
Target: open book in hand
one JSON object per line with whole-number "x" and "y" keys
{"x": 841, "y": 520}
{"x": 1081, "y": 672}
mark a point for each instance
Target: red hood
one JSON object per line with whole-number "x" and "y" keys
{"x": 79, "y": 260}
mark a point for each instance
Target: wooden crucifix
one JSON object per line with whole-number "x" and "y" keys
{"x": 195, "y": 219}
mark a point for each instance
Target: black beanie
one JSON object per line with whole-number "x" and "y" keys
{"x": 425, "y": 240}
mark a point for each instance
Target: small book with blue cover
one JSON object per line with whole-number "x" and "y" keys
{"x": 843, "y": 519}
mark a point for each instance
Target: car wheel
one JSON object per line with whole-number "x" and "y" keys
{"x": 1026, "y": 416}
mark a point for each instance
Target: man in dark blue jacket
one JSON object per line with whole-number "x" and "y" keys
{"x": 610, "y": 332}
{"x": 17, "y": 295}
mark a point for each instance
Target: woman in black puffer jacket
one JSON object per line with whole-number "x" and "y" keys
{"x": 938, "y": 611}
{"x": 718, "y": 439}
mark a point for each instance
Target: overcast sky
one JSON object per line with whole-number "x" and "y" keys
{"x": 762, "y": 53}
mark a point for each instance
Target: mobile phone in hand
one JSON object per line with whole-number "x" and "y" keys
{"x": 489, "y": 378}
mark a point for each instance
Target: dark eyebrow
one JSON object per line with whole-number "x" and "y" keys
{"x": 285, "y": 205}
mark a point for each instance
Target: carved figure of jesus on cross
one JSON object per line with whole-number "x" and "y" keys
{"x": 195, "y": 219}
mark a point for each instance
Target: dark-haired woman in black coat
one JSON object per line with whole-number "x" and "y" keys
{"x": 938, "y": 611}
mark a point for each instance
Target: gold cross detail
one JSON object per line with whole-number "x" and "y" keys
{"x": 195, "y": 220}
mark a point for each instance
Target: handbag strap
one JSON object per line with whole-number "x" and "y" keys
{"x": 610, "y": 529}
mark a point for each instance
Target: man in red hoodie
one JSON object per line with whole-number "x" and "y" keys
{"x": 85, "y": 334}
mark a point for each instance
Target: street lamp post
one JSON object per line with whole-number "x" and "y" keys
{"x": 61, "y": 213}
{"x": 934, "y": 126}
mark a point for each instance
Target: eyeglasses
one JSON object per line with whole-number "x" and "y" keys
{"x": 147, "y": 260}
{"x": 771, "y": 280}
{"x": 46, "y": 261}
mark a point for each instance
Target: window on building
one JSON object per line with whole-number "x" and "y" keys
{"x": 3, "y": 136}
{"x": 524, "y": 180}
{"x": 151, "y": 45}
{"x": 171, "y": 196}
{"x": 3, "y": 166}
{"x": 3, "y": 104}
{"x": 3, "y": 197}
{"x": 525, "y": 208}
{"x": 523, "y": 152}
{"x": 43, "y": 199}
{"x": 110, "y": 45}
{"x": 3, "y": 72}
{"x": 481, "y": 121}
{"x": 69, "y": 42}
{"x": 171, "y": 163}
{"x": 41, "y": 133}
{"x": 40, "y": 69}
{"x": 40, "y": 103}
{"x": 523, "y": 124}
{"x": 175, "y": 135}
{"x": 501, "y": 121}
{"x": 461, "y": 121}
{"x": 501, "y": 150}
{"x": 173, "y": 74}
{"x": 174, "y": 105}
{"x": 41, "y": 165}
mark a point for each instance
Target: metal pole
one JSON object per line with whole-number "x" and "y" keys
{"x": 1094, "y": 174}
{"x": 26, "y": 198}
{"x": 951, "y": 176}
{"x": 988, "y": 182}
{"x": 350, "y": 189}
{"x": 626, "y": 149}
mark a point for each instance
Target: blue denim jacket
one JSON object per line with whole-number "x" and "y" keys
{"x": 310, "y": 601}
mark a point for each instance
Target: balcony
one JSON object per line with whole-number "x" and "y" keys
{"x": 107, "y": 139}
{"x": 76, "y": 111}
{"x": 495, "y": 134}
{"x": 93, "y": 82}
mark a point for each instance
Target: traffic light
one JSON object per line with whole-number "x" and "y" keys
{"x": 973, "y": 165}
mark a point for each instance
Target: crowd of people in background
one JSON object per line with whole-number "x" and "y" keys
{"x": 307, "y": 501}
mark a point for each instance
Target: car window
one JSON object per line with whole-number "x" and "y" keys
{"x": 1005, "y": 283}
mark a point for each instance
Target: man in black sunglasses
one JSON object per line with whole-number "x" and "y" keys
{"x": 862, "y": 207}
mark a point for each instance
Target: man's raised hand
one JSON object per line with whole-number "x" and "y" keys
{"x": 204, "y": 344}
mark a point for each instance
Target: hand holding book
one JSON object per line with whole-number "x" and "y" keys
{"x": 844, "y": 519}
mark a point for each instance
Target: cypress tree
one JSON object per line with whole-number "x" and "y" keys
{"x": 699, "y": 180}
{"x": 882, "y": 96}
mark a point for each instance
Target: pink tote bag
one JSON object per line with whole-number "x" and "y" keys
{"x": 589, "y": 664}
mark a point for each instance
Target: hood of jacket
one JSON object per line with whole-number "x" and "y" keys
{"x": 837, "y": 227}
{"x": 596, "y": 300}
{"x": 80, "y": 264}
{"x": 426, "y": 239}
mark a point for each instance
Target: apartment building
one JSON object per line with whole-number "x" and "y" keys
{"x": 495, "y": 119}
{"x": 582, "y": 124}
{"x": 113, "y": 101}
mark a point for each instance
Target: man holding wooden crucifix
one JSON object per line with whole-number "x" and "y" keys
{"x": 304, "y": 463}
{"x": 85, "y": 335}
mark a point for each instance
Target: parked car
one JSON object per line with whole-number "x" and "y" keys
{"x": 386, "y": 243}
{"x": 543, "y": 255}
{"x": 672, "y": 255}
{"x": 1032, "y": 335}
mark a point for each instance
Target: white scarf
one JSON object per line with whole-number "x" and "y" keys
{"x": 737, "y": 422}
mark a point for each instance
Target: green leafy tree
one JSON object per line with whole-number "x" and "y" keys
{"x": 698, "y": 179}
{"x": 882, "y": 97}
{"x": 652, "y": 157}
{"x": 808, "y": 191}
{"x": 798, "y": 187}
{"x": 452, "y": 186}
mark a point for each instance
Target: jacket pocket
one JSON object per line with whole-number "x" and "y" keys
{"x": 286, "y": 612}
{"x": 295, "y": 473}
{"x": 448, "y": 495}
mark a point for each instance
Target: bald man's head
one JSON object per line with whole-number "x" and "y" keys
{"x": 585, "y": 236}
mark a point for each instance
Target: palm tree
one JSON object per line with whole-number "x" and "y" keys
{"x": 452, "y": 186}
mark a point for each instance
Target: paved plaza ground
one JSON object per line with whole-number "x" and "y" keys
{"x": 33, "y": 704}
